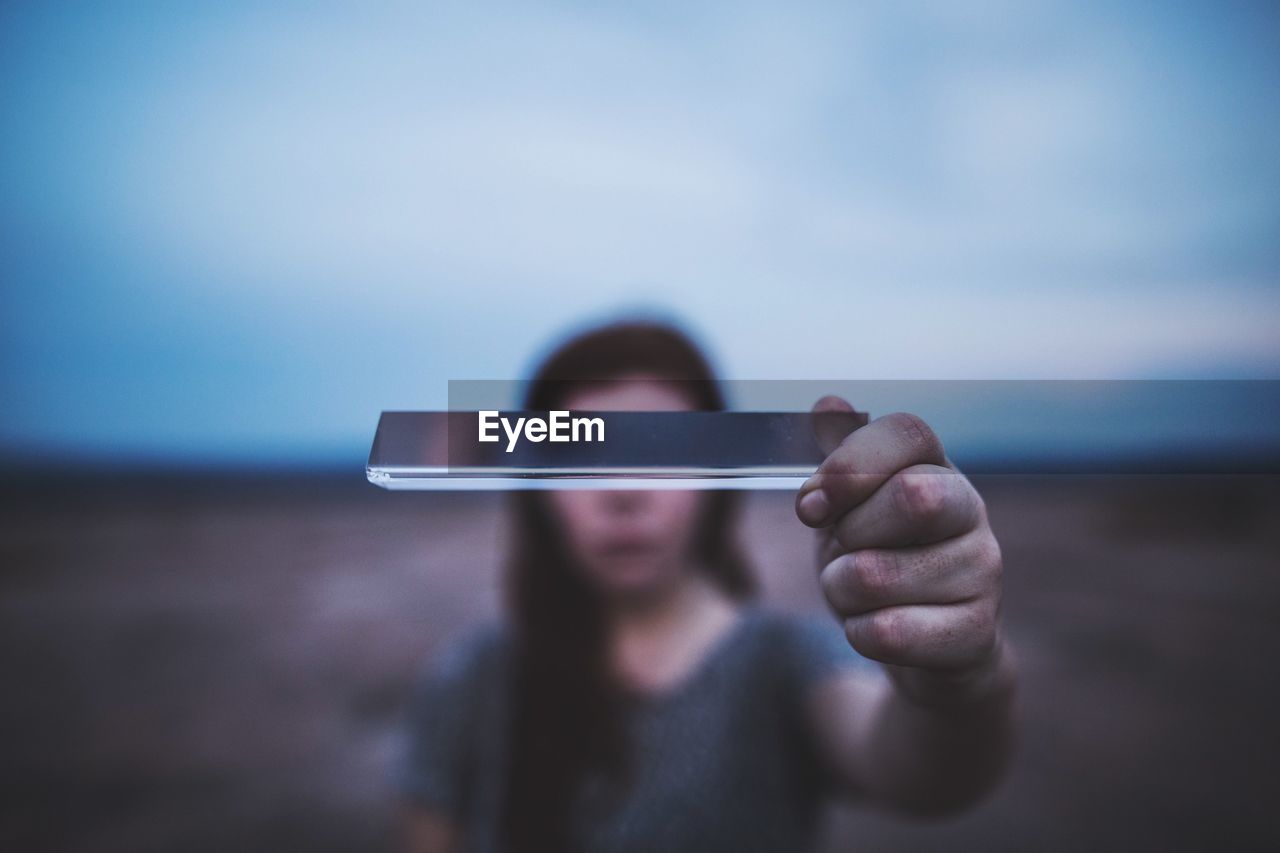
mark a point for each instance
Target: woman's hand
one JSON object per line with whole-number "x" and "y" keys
{"x": 908, "y": 560}
{"x": 910, "y": 565}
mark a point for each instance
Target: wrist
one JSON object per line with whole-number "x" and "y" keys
{"x": 974, "y": 686}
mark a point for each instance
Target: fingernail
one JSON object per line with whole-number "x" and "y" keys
{"x": 813, "y": 507}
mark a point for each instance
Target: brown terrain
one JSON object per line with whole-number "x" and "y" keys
{"x": 221, "y": 664}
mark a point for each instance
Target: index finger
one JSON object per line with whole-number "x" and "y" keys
{"x": 862, "y": 462}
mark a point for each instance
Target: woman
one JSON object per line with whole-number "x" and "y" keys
{"x": 636, "y": 699}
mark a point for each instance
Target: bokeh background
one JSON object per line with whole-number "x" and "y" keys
{"x": 231, "y": 234}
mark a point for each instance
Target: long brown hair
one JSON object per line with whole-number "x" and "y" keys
{"x": 566, "y": 715}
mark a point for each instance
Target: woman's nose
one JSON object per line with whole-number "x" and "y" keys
{"x": 625, "y": 500}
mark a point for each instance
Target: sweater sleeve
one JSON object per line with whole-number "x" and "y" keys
{"x": 818, "y": 650}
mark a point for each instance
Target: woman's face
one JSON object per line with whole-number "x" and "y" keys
{"x": 629, "y": 542}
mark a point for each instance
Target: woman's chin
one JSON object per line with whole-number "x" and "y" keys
{"x": 632, "y": 578}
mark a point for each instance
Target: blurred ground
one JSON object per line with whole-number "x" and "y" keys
{"x": 222, "y": 665}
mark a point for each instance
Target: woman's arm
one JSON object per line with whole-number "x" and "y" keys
{"x": 917, "y": 754}
{"x": 910, "y": 564}
{"x": 427, "y": 832}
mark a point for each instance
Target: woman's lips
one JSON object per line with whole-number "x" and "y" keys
{"x": 631, "y": 546}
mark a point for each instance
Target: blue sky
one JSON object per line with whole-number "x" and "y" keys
{"x": 235, "y": 232}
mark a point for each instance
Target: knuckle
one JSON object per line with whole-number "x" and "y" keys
{"x": 921, "y": 496}
{"x": 976, "y": 506}
{"x": 874, "y": 573}
{"x": 983, "y": 563}
{"x": 886, "y": 632}
{"x": 992, "y": 559}
{"x": 984, "y": 626}
{"x": 978, "y": 617}
{"x": 979, "y": 505}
